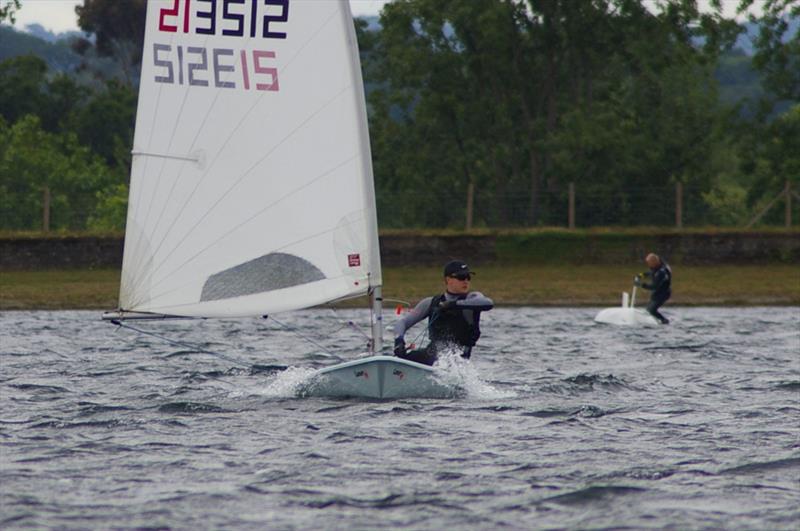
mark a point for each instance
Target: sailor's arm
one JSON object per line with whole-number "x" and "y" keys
{"x": 476, "y": 301}
{"x": 416, "y": 315}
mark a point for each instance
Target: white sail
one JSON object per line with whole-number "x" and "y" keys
{"x": 251, "y": 184}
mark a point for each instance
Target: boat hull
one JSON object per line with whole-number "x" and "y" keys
{"x": 378, "y": 377}
{"x": 625, "y": 317}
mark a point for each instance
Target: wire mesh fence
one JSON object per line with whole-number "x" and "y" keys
{"x": 573, "y": 207}
{"x": 589, "y": 206}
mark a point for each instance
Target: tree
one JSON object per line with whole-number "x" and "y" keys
{"x": 32, "y": 159}
{"x": 8, "y": 9}
{"x": 777, "y": 56}
{"x": 26, "y": 87}
{"x": 773, "y": 159}
{"x": 119, "y": 27}
{"x": 521, "y": 97}
{"x": 106, "y": 123}
{"x": 22, "y": 84}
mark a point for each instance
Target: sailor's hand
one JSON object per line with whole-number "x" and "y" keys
{"x": 399, "y": 346}
{"x": 447, "y": 305}
{"x": 637, "y": 280}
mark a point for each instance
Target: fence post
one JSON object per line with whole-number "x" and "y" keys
{"x": 788, "y": 193}
{"x": 470, "y": 203}
{"x": 571, "y": 211}
{"x": 679, "y": 205}
{"x": 46, "y": 209}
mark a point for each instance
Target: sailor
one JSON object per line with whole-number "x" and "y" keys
{"x": 453, "y": 317}
{"x": 661, "y": 284}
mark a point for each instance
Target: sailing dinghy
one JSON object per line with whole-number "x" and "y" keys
{"x": 627, "y": 314}
{"x": 251, "y": 187}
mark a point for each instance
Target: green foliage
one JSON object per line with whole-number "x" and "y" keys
{"x": 118, "y": 26}
{"x": 111, "y": 209}
{"x": 777, "y": 56}
{"x": 22, "y": 81}
{"x": 774, "y": 160}
{"x": 106, "y": 124}
{"x": 522, "y": 98}
{"x": 32, "y": 160}
{"x": 8, "y": 8}
{"x": 515, "y": 99}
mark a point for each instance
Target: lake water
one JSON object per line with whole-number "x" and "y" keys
{"x": 565, "y": 424}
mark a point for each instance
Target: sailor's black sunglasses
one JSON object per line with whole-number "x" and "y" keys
{"x": 462, "y": 276}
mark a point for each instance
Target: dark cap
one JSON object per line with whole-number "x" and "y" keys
{"x": 455, "y": 267}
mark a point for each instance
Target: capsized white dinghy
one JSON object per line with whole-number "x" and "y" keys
{"x": 626, "y": 314}
{"x": 251, "y": 188}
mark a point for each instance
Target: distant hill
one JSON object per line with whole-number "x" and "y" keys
{"x": 57, "y": 54}
{"x": 739, "y": 82}
{"x": 37, "y": 30}
{"x": 746, "y": 40}
{"x": 56, "y": 51}
{"x": 373, "y": 23}
{"x": 737, "y": 79}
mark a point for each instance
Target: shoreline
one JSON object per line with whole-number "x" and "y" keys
{"x": 513, "y": 285}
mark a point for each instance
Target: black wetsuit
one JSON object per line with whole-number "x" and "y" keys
{"x": 453, "y": 320}
{"x": 661, "y": 287}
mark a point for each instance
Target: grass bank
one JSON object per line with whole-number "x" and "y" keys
{"x": 537, "y": 285}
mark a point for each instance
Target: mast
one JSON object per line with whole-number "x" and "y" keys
{"x": 376, "y": 305}
{"x": 371, "y": 215}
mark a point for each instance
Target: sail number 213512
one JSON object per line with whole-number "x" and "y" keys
{"x": 220, "y": 67}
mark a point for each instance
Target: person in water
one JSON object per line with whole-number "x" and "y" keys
{"x": 661, "y": 285}
{"x": 453, "y": 317}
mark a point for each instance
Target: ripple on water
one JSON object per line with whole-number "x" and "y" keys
{"x": 594, "y": 494}
{"x": 562, "y": 424}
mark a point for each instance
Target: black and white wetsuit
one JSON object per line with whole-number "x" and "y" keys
{"x": 452, "y": 320}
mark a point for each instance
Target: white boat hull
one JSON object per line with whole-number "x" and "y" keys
{"x": 626, "y": 317}
{"x": 627, "y": 314}
{"x": 378, "y": 377}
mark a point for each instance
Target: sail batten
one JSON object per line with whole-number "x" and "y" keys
{"x": 237, "y": 180}
{"x": 250, "y": 219}
{"x": 251, "y": 182}
{"x": 244, "y": 115}
{"x": 176, "y": 287}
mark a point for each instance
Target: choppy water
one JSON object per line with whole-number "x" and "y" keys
{"x": 566, "y": 424}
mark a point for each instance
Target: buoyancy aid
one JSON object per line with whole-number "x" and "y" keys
{"x": 461, "y": 327}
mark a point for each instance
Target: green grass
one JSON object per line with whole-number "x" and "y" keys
{"x": 59, "y": 290}
{"x": 593, "y": 285}
{"x": 603, "y": 285}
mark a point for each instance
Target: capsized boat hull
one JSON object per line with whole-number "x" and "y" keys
{"x": 378, "y": 377}
{"x": 626, "y": 317}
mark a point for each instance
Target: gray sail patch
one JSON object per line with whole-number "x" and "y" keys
{"x": 265, "y": 273}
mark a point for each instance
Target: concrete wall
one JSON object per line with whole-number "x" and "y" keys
{"x": 678, "y": 248}
{"x": 409, "y": 249}
{"x": 60, "y": 253}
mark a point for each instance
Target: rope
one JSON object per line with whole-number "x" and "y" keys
{"x": 180, "y": 343}
{"x": 346, "y": 323}
{"x": 325, "y": 351}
